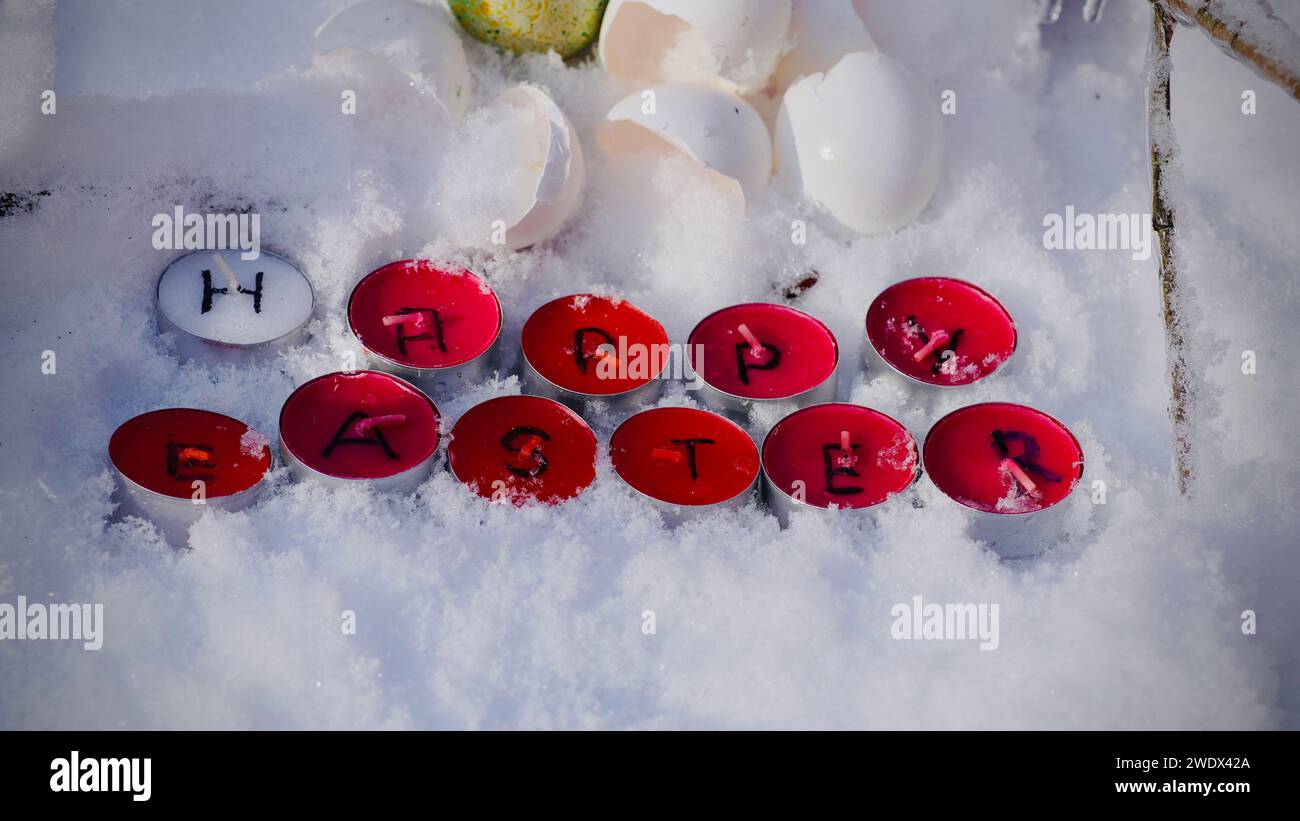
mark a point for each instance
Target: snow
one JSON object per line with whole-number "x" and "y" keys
{"x": 476, "y": 615}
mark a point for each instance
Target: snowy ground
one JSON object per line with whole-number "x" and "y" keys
{"x": 470, "y": 615}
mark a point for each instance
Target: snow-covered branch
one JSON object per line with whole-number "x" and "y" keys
{"x": 1249, "y": 31}
{"x": 1160, "y": 133}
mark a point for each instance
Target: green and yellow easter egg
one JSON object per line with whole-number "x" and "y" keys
{"x": 567, "y": 26}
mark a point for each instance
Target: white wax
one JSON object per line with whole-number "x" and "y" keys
{"x": 234, "y": 318}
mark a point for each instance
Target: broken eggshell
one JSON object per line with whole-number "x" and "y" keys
{"x": 419, "y": 42}
{"x": 821, "y": 32}
{"x": 722, "y": 133}
{"x": 559, "y": 169}
{"x": 652, "y": 41}
{"x": 864, "y": 140}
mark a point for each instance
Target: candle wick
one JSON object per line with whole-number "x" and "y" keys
{"x": 936, "y": 339}
{"x": 1014, "y": 468}
{"x": 415, "y": 318}
{"x": 533, "y": 443}
{"x": 846, "y": 457}
{"x": 231, "y": 280}
{"x": 364, "y": 426}
{"x": 756, "y": 348}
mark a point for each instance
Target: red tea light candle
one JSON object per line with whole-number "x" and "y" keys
{"x": 685, "y": 460}
{"x": 586, "y": 347}
{"x": 173, "y": 464}
{"x": 523, "y": 448}
{"x": 219, "y": 306}
{"x": 1011, "y": 466}
{"x": 434, "y": 325}
{"x": 366, "y": 426}
{"x": 836, "y": 456}
{"x": 938, "y": 332}
{"x": 763, "y": 352}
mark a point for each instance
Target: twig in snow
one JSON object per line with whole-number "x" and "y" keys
{"x": 1160, "y": 134}
{"x": 1249, "y": 31}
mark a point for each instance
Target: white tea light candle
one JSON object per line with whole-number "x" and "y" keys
{"x": 220, "y": 306}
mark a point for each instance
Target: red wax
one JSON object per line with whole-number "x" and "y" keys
{"x": 807, "y": 446}
{"x": 799, "y": 352}
{"x": 521, "y": 448}
{"x": 684, "y": 456}
{"x": 460, "y": 315}
{"x": 981, "y": 334}
{"x": 561, "y": 341}
{"x": 964, "y": 455}
{"x": 318, "y": 425}
{"x": 166, "y": 451}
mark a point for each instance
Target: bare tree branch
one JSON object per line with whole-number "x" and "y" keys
{"x": 1160, "y": 135}
{"x": 1250, "y": 32}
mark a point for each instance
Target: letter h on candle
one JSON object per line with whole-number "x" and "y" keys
{"x": 209, "y": 292}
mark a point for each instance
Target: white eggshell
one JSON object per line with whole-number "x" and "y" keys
{"x": 559, "y": 166}
{"x": 720, "y": 131}
{"x": 650, "y": 41}
{"x": 821, "y": 32}
{"x": 418, "y": 40}
{"x": 864, "y": 140}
